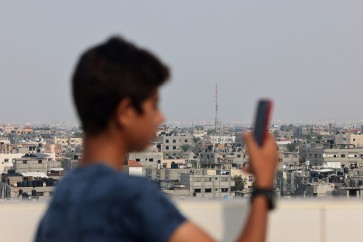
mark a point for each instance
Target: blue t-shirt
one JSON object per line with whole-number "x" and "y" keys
{"x": 98, "y": 203}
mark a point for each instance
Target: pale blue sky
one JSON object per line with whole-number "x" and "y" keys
{"x": 305, "y": 55}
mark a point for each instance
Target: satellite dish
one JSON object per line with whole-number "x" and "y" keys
{"x": 189, "y": 165}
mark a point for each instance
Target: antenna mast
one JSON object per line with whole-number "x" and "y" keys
{"x": 216, "y": 129}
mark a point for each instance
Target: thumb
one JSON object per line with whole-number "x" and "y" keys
{"x": 250, "y": 142}
{"x": 247, "y": 169}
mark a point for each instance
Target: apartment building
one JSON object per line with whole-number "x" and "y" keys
{"x": 199, "y": 133}
{"x": 35, "y": 162}
{"x": 318, "y": 155}
{"x": 7, "y": 159}
{"x": 288, "y": 158}
{"x": 172, "y": 143}
{"x": 148, "y": 158}
{"x": 210, "y": 158}
{"x": 168, "y": 174}
{"x": 221, "y": 139}
{"x": 349, "y": 140}
{"x": 285, "y": 182}
{"x": 208, "y": 186}
{"x": 65, "y": 141}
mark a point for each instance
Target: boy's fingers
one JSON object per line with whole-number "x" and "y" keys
{"x": 270, "y": 141}
{"x": 246, "y": 167}
{"x": 250, "y": 142}
{"x": 247, "y": 170}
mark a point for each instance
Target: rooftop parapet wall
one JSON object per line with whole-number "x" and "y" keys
{"x": 293, "y": 220}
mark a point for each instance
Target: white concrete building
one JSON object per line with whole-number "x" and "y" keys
{"x": 134, "y": 168}
{"x": 217, "y": 139}
{"x": 6, "y": 160}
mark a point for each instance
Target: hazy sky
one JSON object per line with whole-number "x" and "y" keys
{"x": 305, "y": 55}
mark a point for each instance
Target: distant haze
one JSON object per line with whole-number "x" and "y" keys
{"x": 305, "y": 55}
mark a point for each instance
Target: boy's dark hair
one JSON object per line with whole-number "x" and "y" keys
{"x": 109, "y": 72}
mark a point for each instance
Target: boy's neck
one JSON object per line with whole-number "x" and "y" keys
{"x": 103, "y": 149}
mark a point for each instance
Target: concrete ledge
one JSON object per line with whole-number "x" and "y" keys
{"x": 294, "y": 220}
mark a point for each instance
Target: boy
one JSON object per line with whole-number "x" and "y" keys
{"x": 115, "y": 90}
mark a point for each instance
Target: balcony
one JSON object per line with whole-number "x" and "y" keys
{"x": 294, "y": 220}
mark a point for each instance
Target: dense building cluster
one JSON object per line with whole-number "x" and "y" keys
{"x": 198, "y": 161}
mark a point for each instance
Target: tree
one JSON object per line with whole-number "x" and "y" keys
{"x": 239, "y": 183}
{"x": 197, "y": 145}
{"x": 308, "y": 138}
{"x": 185, "y": 147}
{"x": 291, "y": 147}
{"x": 194, "y": 163}
{"x": 210, "y": 131}
{"x": 319, "y": 137}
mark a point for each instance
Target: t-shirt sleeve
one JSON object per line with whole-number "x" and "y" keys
{"x": 151, "y": 216}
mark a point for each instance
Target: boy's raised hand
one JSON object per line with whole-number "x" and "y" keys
{"x": 263, "y": 160}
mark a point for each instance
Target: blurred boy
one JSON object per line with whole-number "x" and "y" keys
{"x": 115, "y": 91}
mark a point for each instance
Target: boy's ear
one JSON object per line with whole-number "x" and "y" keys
{"x": 124, "y": 112}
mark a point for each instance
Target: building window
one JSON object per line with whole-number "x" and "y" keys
{"x": 174, "y": 147}
{"x": 197, "y": 179}
{"x": 207, "y": 179}
{"x": 174, "y": 141}
{"x": 224, "y": 179}
{"x": 40, "y": 161}
{"x": 224, "y": 189}
{"x": 342, "y": 156}
{"x": 25, "y": 162}
{"x": 167, "y": 147}
{"x": 167, "y": 141}
{"x": 6, "y": 160}
{"x": 197, "y": 190}
{"x": 138, "y": 160}
{"x": 151, "y": 159}
{"x": 186, "y": 141}
{"x": 207, "y": 190}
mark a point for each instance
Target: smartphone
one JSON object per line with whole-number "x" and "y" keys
{"x": 262, "y": 120}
